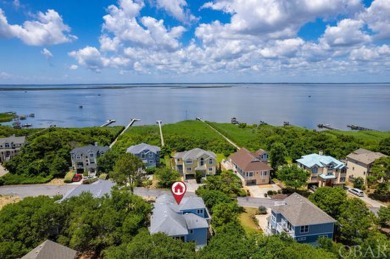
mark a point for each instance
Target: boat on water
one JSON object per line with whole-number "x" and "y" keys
{"x": 32, "y": 115}
{"x": 26, "y": 125}
{"x": 80, "y": 106}
{"x": 22, "y": 117}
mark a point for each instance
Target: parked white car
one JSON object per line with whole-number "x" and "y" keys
{"x": 357, "y": 192}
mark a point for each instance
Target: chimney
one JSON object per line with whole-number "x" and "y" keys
{"x": 96, "y": 144}
{"x": 320, "y": 152}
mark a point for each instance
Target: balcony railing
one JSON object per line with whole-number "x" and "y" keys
{"x": 280, "y": 228}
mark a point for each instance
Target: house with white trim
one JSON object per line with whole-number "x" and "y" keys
{"x": 301, "y": 219}
{"x": 188, "y": 162}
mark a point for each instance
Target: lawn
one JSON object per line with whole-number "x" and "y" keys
{"x": 181, "y": 136}
{"x": 248, "y": 223}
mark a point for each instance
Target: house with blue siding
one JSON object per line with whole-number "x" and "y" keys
{"x": 301, "y": 219}
{"x": 188, "y": 221}
{"x": 150, "y": 155}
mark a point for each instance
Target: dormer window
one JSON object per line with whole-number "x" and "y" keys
{"x": 188, "y": 161}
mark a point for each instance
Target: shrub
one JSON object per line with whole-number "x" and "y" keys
{"x": 262, "y": 210}
{"x": 69, "y": 176}
{"x": 103, "y": 176}
{"x": 359, "y": 183}
{"x": 10, "y": 179}
{"x": 90, "y": 180}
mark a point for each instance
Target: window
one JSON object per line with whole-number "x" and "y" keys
{"x": 150, "y": 154}
{"x": 210, "y": 161}
{"x": 150, "y": 161}
{"x": 273, "y": 218}
{"x": 201, "y": 161}
{"x": 210, "y": 169}
{"x": 314, "y": 170}
{"x": 250, "y": 174}
{"x": 264, "y": 173}
{"x": 188, "y": 161}
{"x": 142, "y": 155}
{"x": 342, "y": 179}
{"x": 353, "y": 168}
{"x": 189, "y": 168}
{"x": 191, "y": 231}
{"x": 6, "y": 145}
{"x": 304, "y": 229}
{"x": 199, "y": 211}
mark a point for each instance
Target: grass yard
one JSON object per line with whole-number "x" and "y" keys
{"x": 184, "y": 135}
{"x": 248, "y": 223}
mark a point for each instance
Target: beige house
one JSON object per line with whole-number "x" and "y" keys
{"x": 9, "y": 147}
{"x": 250, "y": 167}
{"x": 188, "y": 162}
{"x": 359, "y": 163}
{"x": 325, "y": 170}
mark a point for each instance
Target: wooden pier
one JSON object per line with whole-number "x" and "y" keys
{"x": 159, "y": 122}
{"x": 356, "y": 127}
{"x": 123, "y": 131}
{"x": 326, "y": 126}
{"x": 108, "y": 122}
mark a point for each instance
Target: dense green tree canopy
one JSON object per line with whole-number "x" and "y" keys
{"x": 26, "y": 224}
{"x": 47, "y": 152}
{"x": 329, "y": 199}
{"x": 278, "y": 153}
{"x": 128, "y": 170}
{"x": 293, "y": 176}
{"x": 166, "y": 177}
{"x": 355, "y": 221}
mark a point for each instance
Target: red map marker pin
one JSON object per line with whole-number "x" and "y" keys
{"x": 178, "y": 190}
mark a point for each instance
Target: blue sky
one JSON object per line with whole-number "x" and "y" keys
{"x": 141, "y": 41}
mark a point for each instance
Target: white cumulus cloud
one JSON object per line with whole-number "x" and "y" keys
{"x": 73, "y": 67}
{"x": 347, "y": 32}
{"x": 177, "y": 9}
{"x": 46, "y": 53}
{"x": 47, "y": 29}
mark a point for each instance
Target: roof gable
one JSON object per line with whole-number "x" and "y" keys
{"x": 50, "y": 250}
{"x": 320, "y": 161}
{"x": 365, "y": 156}
{"x": 299, "y": 211}
{"x": 136, "y": 149}
{"x": 248, "y": 162}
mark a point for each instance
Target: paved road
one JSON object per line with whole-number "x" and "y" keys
{"x": 255, "y": 202}
{"x": 35, "y": 190}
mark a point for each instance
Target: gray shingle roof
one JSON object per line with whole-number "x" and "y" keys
{"x": 51, "y": 250}
{"x": 13, "y": 139}
{"x": 136, "y": 149}
{"x": 194, "y": 221}
{"x": 168, "y": 218}
{"x": 98, "y": 189}
{"x": 365, "y": 156}
{"x": 299, "y": 211}
{"x": 194, "y": 154}
{"x": 89, "y": 149}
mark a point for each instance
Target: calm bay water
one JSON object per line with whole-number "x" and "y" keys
{"x": 307, "y": 105}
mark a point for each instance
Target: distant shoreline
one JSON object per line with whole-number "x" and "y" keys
{"x": 64, "y": 87}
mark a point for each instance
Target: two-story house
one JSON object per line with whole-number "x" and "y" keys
{"x": 9, "y": 147}
{"x": 262, "y": 155}
{"x": 359, "y": 163}
{"x": 150, "y": 155}
{"x": 324, "y": 170}
{"x": 189, "y": 162}
{"x": 250, "y": 167}
{"x": 188, "y": 221}
{"x": 84, "y": 159}
{"x": 300, "y": 219}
